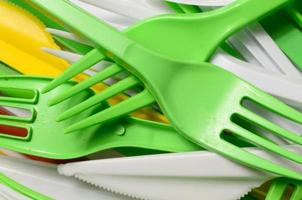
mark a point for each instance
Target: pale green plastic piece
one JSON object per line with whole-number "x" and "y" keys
{"x": 279, "y": 186}
{"x": 46, "y": 137}
{"x": 200, "y": 99}
{"x": 5, "y": 180}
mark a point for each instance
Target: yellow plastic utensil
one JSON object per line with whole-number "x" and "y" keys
{"x": 21, "y": 40}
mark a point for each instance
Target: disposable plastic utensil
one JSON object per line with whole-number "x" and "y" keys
{"x": 295, "y": 11}
{"x": 292, "y": 9}
{"x": 44, "y": 137}
{"x": 50, "y": 70}
{"x": 194, "y": 175}
{"x": 126, "y": 126}
{"x": 287, "y": 35}
{"x": 282, "y": 85}
{"x": 136, "y": 10}
{"x": 279, "y": 186}
{"x": 8, "y": 182}
{"x": 204, "y": 2}
{"x": 256, "y": 40}
{"x": 43, "y": 177}
{"x": 258, "y": 43}
{"x": 277, "y": 84}
{"x": 25, "y": 43}
{"x": 145, "y": 42}
{"x": 274, "y": 83}
{"x": 219, "y": 24}
{"x": 201, "y": 118}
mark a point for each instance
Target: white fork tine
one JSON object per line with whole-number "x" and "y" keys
{"x": 274, "y": 83}
{"x": 259, "y": 43}
{"x": 116, "y": 20}
{"x": 66, "y": 55}
{"x": 68, "y": 35}
{"x": 256, "y": 41}
{"x": 254, "y": 48}
{"x": 273, "y": 51}
{"x": 73, "y": 57}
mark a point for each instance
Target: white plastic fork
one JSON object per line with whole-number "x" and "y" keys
{"x": 177, "y": 176}
{"x": 138, "y": 9}
{"x": 118, "y": 21}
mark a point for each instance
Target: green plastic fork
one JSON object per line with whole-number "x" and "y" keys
{"x": 201, "y": 117}
{"x": 166, "y": 43}
{"x": 295, "y": 11}
{"x": 5, "y": 180}
{"x": 286, "y": 34}
{"x": 43, "y": 136}
{"x": 279, "y": 187}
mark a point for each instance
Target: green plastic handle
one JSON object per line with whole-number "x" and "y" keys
{"x": 5, "y": 180}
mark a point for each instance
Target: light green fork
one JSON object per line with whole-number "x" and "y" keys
{"x": 202, "y": 101}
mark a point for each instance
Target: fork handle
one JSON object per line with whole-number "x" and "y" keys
{"x": 237, "y": 15}
{"x": 112, "y": 42}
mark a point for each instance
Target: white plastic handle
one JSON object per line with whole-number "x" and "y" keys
{"x": 177, "y": 176}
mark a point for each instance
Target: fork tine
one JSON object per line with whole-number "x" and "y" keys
{"x": 100, "y": 76}
{"x": 74, "y": 57}
{"x": 274, "y": 128}
{"x": 66, "y": 55}
{"x": 277, "y": 189}
{"x": 90, "y": 59}
{"x": 107, "y": 93}
{"x": 266, "y": 144}
{"x": 297, "y": 194}
{"x": 295, "y": 14}
{"x": 274, "y": 105}
{"x": 244, "y": 157}
{"x": 68, "y": 35}
{"x": 129, "y": 105}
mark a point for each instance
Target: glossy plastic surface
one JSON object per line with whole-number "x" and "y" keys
{"x": 194, "y": 175}
{"x": 46, "y": 137}
{"x": 278, "y": 190}
{"x": 201, "y": 118}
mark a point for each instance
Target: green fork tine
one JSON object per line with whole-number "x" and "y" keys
{"x": 295, "y": 11}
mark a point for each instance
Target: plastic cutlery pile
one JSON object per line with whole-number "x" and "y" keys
{"x": 151, "y": 99}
